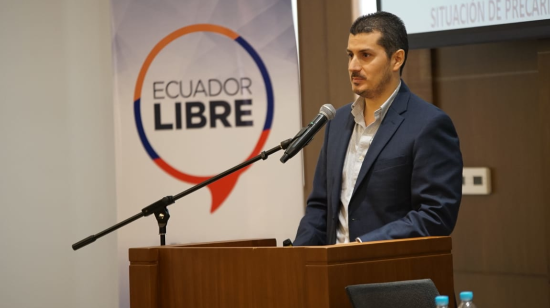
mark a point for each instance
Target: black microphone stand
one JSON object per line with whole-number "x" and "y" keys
{"x": 159, "y": 208}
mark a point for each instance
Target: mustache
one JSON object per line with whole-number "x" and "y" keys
{"x": 354, "y": 75}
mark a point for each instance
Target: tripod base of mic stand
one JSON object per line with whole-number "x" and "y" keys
{"x": 162, "y": 217}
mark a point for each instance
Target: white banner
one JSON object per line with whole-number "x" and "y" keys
{"x": 202, "y": 86}
{"x": 437, "y": 15}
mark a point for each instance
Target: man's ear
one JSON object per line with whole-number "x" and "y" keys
{"x": 398, "y": 58}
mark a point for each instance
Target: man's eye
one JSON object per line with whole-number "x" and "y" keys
{"x": 350, "y": 55}
{"x": 365, "y": 55}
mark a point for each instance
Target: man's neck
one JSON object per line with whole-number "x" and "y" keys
{"x": 373, "y": 104}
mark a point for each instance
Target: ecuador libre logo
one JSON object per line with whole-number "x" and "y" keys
{"x": 198, "y": 102}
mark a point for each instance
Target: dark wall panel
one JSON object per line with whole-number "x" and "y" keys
{"x": 491, "y": 91}
{"x": 323, "y": 36}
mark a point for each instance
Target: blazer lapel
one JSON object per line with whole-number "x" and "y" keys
{"x": 340, "y": 148}
{"x": 387, "y": 129}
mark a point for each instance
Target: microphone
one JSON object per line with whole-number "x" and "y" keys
{"x": 304, "y": 136}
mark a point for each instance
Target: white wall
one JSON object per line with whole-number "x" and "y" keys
{"x": 57, "y": 181}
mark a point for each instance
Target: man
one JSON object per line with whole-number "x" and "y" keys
{"x": 390, "y": 166}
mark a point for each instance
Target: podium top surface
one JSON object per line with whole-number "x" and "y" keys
{"x": 330, "y": 254}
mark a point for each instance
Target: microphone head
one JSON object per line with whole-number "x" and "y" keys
{"x": 328, "y": 110}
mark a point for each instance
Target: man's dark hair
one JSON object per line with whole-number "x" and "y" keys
{"x": 392, "y": 28}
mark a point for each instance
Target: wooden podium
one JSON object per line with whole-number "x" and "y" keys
{"x": 256, "y": 273}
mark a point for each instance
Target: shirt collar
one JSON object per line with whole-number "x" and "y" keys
{"x": 358, "y": 107}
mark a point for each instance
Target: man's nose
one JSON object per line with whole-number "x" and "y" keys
{"x": 353, "y": 65}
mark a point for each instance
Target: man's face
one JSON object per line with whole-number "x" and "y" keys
{"x": 370, "y": 69}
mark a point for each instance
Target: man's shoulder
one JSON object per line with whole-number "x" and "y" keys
{"x": 419, "y": 106}
{"x": 340, "y": 120}
{"x": 343, "y": 111}
{"x": 414, "y": 104}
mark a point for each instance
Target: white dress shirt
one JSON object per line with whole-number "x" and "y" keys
{"x": 358, "y": 146}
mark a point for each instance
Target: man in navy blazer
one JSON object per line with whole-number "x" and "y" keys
{"x": 390, "y": 166}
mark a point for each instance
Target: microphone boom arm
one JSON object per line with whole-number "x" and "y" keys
{"x": 159, "y": 207}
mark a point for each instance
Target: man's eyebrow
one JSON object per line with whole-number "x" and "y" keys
{"x": 362, "y": 50}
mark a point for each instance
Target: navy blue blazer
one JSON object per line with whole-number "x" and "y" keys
{"x": 409, "y": 185}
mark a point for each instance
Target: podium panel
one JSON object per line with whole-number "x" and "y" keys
{"x": 256, "y": 273}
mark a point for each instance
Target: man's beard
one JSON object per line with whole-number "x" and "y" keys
{"x": 379, "y": 88}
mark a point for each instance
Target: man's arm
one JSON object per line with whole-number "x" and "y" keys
{"x": 436, "y": 185}
{"x": 313, "y": 226}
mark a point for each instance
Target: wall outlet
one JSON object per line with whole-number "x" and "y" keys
{"x": 476, "y": 181}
